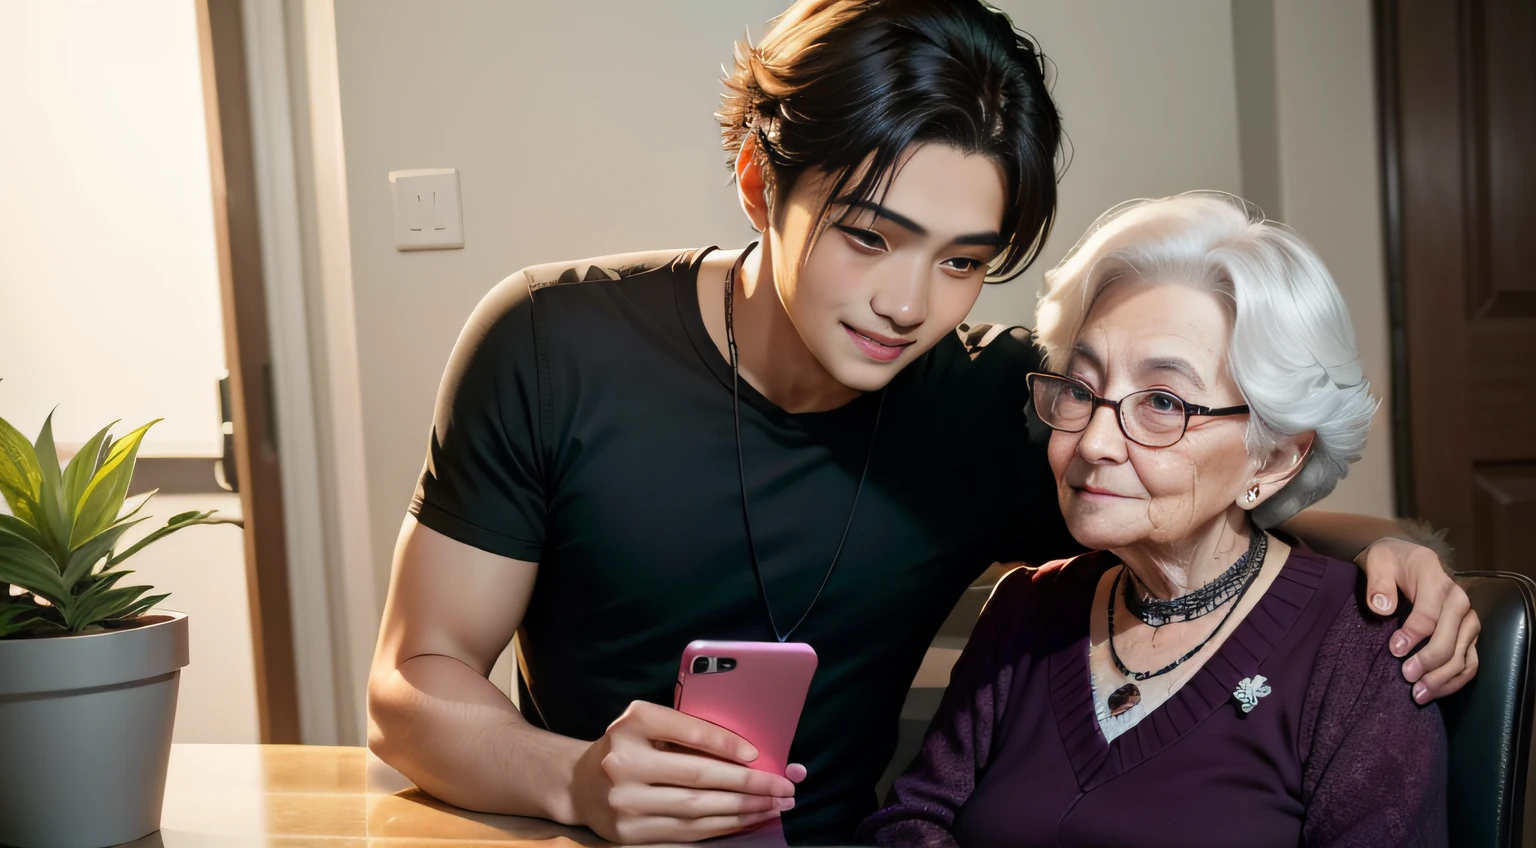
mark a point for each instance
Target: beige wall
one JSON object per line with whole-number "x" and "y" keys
{"x": 1307, "y": 115}
{"x": 585, "y": 128}
{"x": 1149, "y": 103}
{"x": 1330, "y": 191}
{"x": 578, "y": 129}
{"x": 109, "y": 294}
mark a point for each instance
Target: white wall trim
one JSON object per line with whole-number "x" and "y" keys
{"x": 356, "y": 607}
{"x": 282, "y": 257}
{"x": 302, "y": 199}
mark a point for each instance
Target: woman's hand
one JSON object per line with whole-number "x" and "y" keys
{"x": 1441, "y": 613}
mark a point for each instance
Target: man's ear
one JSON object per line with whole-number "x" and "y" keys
{"x": 752, "y": 184}
{"x": 1284, "y": 461}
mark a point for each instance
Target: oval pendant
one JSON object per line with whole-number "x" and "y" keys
{"x": 1124, "y": 698}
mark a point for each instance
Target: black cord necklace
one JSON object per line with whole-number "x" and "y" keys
{"x": 741, "y": 466}
{"x": 1202, "y": 601}
{"x": 1129, "y": 695}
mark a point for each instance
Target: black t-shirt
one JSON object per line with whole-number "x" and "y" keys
{"x": 585, "y": 424}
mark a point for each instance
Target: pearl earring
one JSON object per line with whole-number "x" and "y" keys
{"x": 1253, "y": 494}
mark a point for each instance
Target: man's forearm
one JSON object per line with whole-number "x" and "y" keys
{"x": 455, "y": 735}
{"x": 1344, "y": 535}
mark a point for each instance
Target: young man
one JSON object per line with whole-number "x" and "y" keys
{"x": 791, "y": 441}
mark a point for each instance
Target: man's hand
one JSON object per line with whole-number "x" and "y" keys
{"x": 1441, "y": 613}
{"x": 658, "y": 775}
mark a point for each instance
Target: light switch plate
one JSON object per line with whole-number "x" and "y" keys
{"x": 427, "y": 211}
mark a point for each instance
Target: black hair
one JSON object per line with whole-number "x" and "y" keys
{"x": 839, "y": 84}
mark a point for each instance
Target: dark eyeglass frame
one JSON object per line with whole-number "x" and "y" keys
{"x": 1190, "y": 409}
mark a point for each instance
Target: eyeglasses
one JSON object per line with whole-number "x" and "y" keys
{"x": 1153, "y": 418}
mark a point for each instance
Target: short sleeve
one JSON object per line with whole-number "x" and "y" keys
{"x": 485, "y": 481}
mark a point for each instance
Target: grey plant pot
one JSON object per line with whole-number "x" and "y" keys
{"x": 85, "y": 731}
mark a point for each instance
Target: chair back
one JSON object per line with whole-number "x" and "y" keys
{"x": 1488, "y": 723}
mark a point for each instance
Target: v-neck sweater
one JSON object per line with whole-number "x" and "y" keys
{"x": 1335, "y": 754}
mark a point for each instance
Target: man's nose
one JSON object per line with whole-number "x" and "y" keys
{"x": 903, "y": 300}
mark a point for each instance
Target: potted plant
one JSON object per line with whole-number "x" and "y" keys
{"x": 88, "y": 667}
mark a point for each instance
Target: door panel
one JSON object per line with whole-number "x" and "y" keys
{"x": 1458, "y": 86}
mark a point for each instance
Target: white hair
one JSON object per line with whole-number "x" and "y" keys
{"x": 1292, "y": 352}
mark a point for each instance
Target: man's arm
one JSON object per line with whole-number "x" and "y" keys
{"x": 1343, "y": 535}
{"x": 435, "y": 717}
{"x": 432, "y": 711}
{"x": 1395, "y": 558}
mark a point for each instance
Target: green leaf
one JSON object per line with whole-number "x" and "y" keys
{"x": 105, "y": 579}
{"x": 143, "y": 499}
{"x": 17, "y": 615}
{"x": 82, "y": 467}
{"x": 98, "y": 585}
{"x": 53, "y": 517}
{"x": 103, "y": 499}
{"x": 81, "y": 559}
{"x": 105, "y": 605}
{"x": 20, "y": 476}
{"x": 106, "y": 447}
{"x": 23, "y": 529}
{"x": 177, "y": 522}
{"x": 24, "y": 564}
{"x": 74, "y": 607}
{"x": 139, "y": 607}
{"x": 98, "y": 600}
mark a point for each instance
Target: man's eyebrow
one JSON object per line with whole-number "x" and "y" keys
{"x": 896, "y": 218}
{"x": 985, "y": 239}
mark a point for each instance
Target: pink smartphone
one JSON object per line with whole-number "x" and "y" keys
{"x": 753, "y": 689}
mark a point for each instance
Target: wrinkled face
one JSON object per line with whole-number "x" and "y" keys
{"x": 886, "y": 283}
{"x": 1115, "y": 493}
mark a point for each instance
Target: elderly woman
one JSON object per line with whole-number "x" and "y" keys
{"x": 1196, "y": 681}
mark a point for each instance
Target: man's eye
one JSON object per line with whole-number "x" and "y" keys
{"x": 965, "y": 264}
{"x": 864, "y": 238}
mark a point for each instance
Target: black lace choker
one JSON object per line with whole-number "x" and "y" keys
{"x": 1204, "y": 600}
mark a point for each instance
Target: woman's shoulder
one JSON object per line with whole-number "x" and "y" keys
{"x": 1373, "y": 759}
{"x": 1340, "y": 585}
{"x": 1354, "y": 638}
{"x": 1353, "y": 661}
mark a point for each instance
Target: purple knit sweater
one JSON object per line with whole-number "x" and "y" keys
{"x": 1337, "y": 755}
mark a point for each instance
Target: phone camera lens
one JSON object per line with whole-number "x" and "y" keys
{"x": 700, "y": 665}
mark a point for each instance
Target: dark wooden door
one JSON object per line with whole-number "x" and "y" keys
{"x": 1458, "y": 97}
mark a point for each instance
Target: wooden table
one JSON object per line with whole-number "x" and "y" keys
{"x": 301, "y": 795}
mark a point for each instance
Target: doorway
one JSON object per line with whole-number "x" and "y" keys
{"x": 116, "y": 288}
